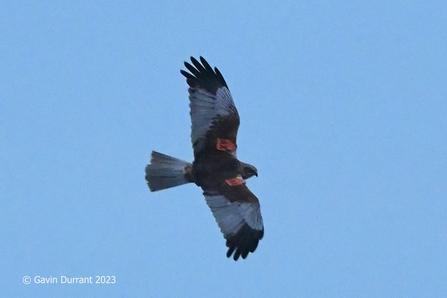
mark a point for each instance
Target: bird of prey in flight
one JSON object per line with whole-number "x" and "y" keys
{"x": 216, "y": 168}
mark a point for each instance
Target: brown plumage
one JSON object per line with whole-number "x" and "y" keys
{"x": 216, "y": 169}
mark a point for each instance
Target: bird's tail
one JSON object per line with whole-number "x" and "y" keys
{"x": 166, "y": 171}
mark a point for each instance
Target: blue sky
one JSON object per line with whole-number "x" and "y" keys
{"x": 343, "y": 111}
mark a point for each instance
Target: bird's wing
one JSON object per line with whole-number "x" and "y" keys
{"x": 238, "y": 214}
{"x": 214, "y": 117}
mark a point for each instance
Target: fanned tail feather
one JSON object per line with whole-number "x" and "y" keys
{"x": 166, "y": 171}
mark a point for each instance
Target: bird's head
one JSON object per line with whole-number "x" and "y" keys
{"x": 248, "y": 171}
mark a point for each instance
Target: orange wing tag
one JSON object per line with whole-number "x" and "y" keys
{"x": 235, "y": 181}
{"x": 225, "y": 145}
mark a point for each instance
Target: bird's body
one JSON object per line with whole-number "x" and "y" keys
{"x": 216, "y": 168}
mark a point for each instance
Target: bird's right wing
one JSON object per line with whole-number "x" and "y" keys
{"x": 214, "y": 117}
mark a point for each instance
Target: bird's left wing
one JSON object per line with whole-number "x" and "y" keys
{"x": 238, "y": 214}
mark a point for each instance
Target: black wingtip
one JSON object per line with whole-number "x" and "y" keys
{"x": 244, "y": 242}
{"x": 203, "y": 76}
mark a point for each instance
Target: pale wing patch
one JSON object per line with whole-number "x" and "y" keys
{"x": 204, "y": 107}
{"x": 201, "y": 111}
{"x": 231, "y": 216}
{"x": 224, "y": 102}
